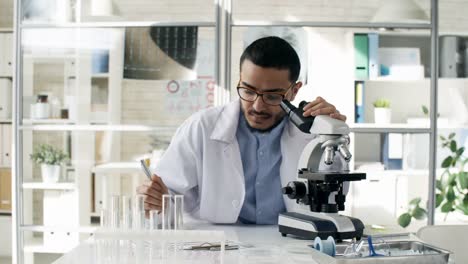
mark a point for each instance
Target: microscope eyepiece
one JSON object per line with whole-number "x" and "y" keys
{"x": 296, "y": 115}
{"x": 287, "y": 106}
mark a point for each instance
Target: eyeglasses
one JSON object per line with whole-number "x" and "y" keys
{"x": 269, "y": 98}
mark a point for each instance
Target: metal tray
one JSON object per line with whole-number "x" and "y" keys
{"x": 427, "y": 254}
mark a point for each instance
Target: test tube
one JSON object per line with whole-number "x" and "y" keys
{"x": 139, "y": 224}
{"x": 178, "y": 212}
{"x": 115, "y": 211}
{"x": 127, "y": 212}
{"x": 154, "y": 219}
{"x": 104, "y": 247}
{"x": 166, "y": 211}
{"x": 155, "y": 246}
{"x": 139, "y": 212}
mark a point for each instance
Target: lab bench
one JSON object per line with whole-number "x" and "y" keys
{"x": 264, "y": 243}
{"x": 257, "y": 244}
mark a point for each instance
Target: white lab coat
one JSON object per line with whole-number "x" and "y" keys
{"x": 203, "y": 163}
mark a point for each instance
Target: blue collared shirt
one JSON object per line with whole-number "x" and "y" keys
{"x": 261, "y": 160}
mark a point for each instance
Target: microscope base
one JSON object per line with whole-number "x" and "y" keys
{"x": 309, "y": 227}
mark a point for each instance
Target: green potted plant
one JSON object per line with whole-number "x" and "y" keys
{"x": 382, "y": 111}
{"x": 451, "y": 186}
{"x": 50, "y": 159}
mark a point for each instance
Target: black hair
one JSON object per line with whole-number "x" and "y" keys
{"x": 273, "y": 52}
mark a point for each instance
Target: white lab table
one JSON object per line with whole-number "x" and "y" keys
{"x": 264, "y": 240}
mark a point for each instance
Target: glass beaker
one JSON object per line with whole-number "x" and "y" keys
{"x": 166, "y": 211}
{"x": 138, "y": 220}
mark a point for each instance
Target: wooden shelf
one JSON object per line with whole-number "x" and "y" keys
{"x": 395, "y": 79}
{"x": 402, "y": 172}
{"x": 100, "y": 75}
{"x": 47, "y": 121}
{"x": 114, "y": 24}
{"x": 388, "y": 128}
{"x": 50, "y": 186}
{"x": 117, "y": 167}
{"x": 331, "y": 24}
{"x": 91, "y": 127}
{"x": 94, "y": 214}
{"x": 384, "y": 173}
{"x": 398, "y": 128}
{"x": 46, "y": 57}
{"x": 411, "y": 33}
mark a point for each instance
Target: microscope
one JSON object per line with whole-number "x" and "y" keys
{"x": 320, "y": 189}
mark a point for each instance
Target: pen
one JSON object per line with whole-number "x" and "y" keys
{"x": 145, "y": 169}
{"x": 211, "y": 247}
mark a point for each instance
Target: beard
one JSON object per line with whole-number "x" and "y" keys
{"x": 277, "y": 119}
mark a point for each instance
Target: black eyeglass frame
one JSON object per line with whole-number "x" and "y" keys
{"x": 263, "y": 93}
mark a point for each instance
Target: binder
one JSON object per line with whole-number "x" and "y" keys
{"x": 392, "y": 151}
{"x": 359, "y": 102}
{"x": 466, "y": 58}
{"x": 361, "y": 56}
{"x": 374, "y": 68}
{"x": 451, "y": 57}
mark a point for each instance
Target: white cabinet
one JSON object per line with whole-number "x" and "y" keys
{"x": 5, "y": 146}
{"x": 5, "y": 98}
{"x": 59, "y": 213}
{"x": 6, "y": 54}
{"x": 385, "y": 195}
{"x": 374, "y": 200}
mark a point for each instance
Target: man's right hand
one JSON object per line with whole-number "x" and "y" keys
{"x": 153, "y": 191}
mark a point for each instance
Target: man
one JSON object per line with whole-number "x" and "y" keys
{"x": 231, "y": 161}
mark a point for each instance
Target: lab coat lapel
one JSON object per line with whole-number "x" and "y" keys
{"x": 226, "y": 125}
{"x": 225, "y": 132}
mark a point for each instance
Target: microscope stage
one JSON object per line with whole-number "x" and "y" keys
{"x": 331, "y": 176}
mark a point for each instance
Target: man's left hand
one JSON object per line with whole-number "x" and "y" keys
{"x": 321, "y": 107}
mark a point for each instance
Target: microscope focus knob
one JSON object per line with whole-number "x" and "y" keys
{"x": 295, "y": 190}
